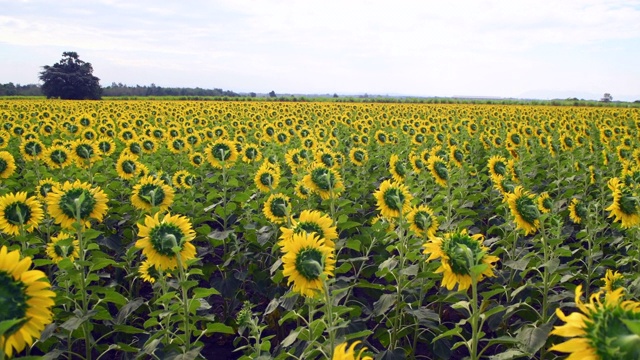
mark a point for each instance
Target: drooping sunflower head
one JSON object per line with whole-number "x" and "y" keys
{"x": 324, "y": 181}
{"x": 19, "y": 212}
{"x": 613, "y": 281}
{"x": 277, "y": 208}
{"x": 127, "y": 166}
{"x": 342, "y": 352}
{"x": 545, "y": 204}
{"x": 84, "y": 152}
{"x": 422, "y": 221}
{"x": 416, "y": 163}
{"x": 397, "y": 168}
{"x": 63, "y": 246}
{"x": 24, "y": 294}
{"x": 524, "y": 209}
{"x": 459, "y": 252}
{"x": 163, "y": 240}
{"x": 7, "y": 164}
{"x": 603, "y": 329}
{"x": 456, "y": 155}
{"x": 44, "y": 187}
{"x": 76, "y": 201}
{"x": 358, "y": 156}
{"x": 497, "y": 165}
{"x": 301, "y": 190}
{"x": 151, "y": 192}
{"x": 577, "y": 211}
{"x": 31, "y": 149}
{"x": 267, "y": 177}
{"x": 393, "y": 199}
{"x": 58, "y": 157}
{"x": 311, "y": 222}
{"x": 625, "y": 206}
{"x": 251, "y": 153}
{"x": 307, "y": 260}
{"x": 438, "y": 168}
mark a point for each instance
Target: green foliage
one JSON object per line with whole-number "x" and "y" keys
{"x": 70, "y": 78}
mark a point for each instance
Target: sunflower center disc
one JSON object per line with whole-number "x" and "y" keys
{"x": 164, "y": 237}
{"x": 17, "y": 213}
{"x": 394, "y": 198}
{"x": 68, "y": 205}
{"x": 628, "y": 204}
{"x": 310, "y": 227}
{"x": 527, "y": 209}
{"x": 3, "y": 166}
{"x": 13, "y": 301}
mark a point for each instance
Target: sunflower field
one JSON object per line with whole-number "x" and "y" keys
{"x": 144, "y": 229}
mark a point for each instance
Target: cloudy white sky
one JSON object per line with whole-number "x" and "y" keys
{"x": 531, "y": 49}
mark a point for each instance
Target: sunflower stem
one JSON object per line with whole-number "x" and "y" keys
{"x": 82, "y": 256}
{"x": 185, "y": 303}
{"x": 330, "y": 321}
{"x": 397, "y": 321}
{"x": 475, "y": 331}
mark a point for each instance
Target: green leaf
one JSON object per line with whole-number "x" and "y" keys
{"x": 354, "y": 244}
{"x": 632, "y": 325}
{"x": 291, "y": 338}
{"x": 455, "y": 331}
{"x": 508, "y": 355}
{"x": 219, "y": 328}
{"x": 8, "y": 324}
{"x": 202, "y": 292}
{"x": 383, "y": 304}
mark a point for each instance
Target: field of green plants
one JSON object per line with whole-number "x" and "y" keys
{"x": 268, "y": 230}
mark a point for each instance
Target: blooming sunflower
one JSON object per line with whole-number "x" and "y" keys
{"x": 17, "y": 211}
{"x": 106, "y": 146}
{"x": 358, "y": 156}
{"x": 306, "y": 260}
{"x": 301, "y": 190}
{"x": 456, "y": 155}
{"x": 613, "y": 280}
{"x": 277, "y": 208}
{"x": 524, "y": 210}
{"x": 127, "y": 166}
{"x": 7, "y": 164}
{"x": 416, "y": 163}
{"x": 25, "y": 295}
{"x": 58, "y": 157}
{"x": 603, "y": 329}
{"x": 84, "y": 152}
{"x": 458, "y": 252}
{"x": 311, "y": 221}
{"x": 324, "y": 181}
{"x": 149, "y": 273}
{"x": 341, "y": 352}
{"x": 393, "y": 199}
{"x": 625, "y": 207}
{"x": 497, "y": 166}
{"x": 76, "y": 200}
{"x": 61, "y": 246}
{"x": 577, "y": 211}
{"x": 222, "y": 153}
{"x": 545, "y": 204}
{"x": 397, "y": 168}
{"x": 251, "y": 153}
{"x": 267, "y": 177}
{"x": 438, "y": 168}
{"x": 150, "y": 192}
{"x": 44, "y": 188}
{"x": 158, "y": 238}
{"x": 422, "y": 221}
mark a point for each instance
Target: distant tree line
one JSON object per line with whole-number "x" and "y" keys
{"x": 153, "y": 90}
{"x": 11, "y": 89}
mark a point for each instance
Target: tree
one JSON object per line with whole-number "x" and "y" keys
{"x": 71, "y": 78}
{"x": 607, "y": 98}
{"x": 272, "y": 94}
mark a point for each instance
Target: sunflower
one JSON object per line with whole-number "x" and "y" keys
{"x": 106, "y": 146}
{"x": 44, "y": 188}
{"x": 76, "y": 200}
{"x": 438, "y": 168}
{"x": 381, "y": 137}
{"x": 311, "y": 221}
{"x": 7, "y": 164}
{"x": 393, "y": 199}
{"x": 307, "y": 259}
{"x": 159, "y": 238}
{"x": 301, "y": 190}
{"x": 577, "y": 211}
{"x": 397, "y": 168}
{"x": 196, "y": 159}
{"x": 222, "y": 153}
{"x": 63, "y": 246}
{"x": 149, "y": 273}
{"x": 58, "y": 157}
{"x": 358, "y": 156}
{"x": 341, "y": 352}
{"x": 497, "y": 166}
{"x": 625, "y": 207}
{"x": 545, "y": 204}
{"x": 416, "y": 163}
{"x": 613, "y": 281}
{"x": 524, "y": 210}
{"x": 178, "y": 179}
{"x": 177, "y": 145}
{"x": 84, "y": 152}
{"x": 277, "y": 208}
{"x": 150, "y": 192}
{"x": 127, "y": 166}
{"x": 25, "y": 295}
{"x": 267, "y": 177}
{"x": 4, "y": 139}
{"x": 31, "y": 150}
{"x": 603, "y": 329}
{"x": 422, "y": 221}
{"x": 458, "y": 253}
{"x": 251, "y": 153}
{"x": 324, "y": 181}
{"x": 16, "y": 212}
{"x": 456, "y": 155}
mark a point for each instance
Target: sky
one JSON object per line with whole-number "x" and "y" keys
{"x": 478, "y": 48}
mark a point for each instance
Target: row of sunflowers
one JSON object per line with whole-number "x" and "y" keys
{"x": 184, "y": 230}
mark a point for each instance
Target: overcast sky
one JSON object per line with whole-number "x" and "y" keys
{"x": 532, "y": 49}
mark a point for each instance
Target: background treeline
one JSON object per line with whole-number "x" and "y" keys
{"x": 10, "y": 89}
{"x": 153, "y": 90}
